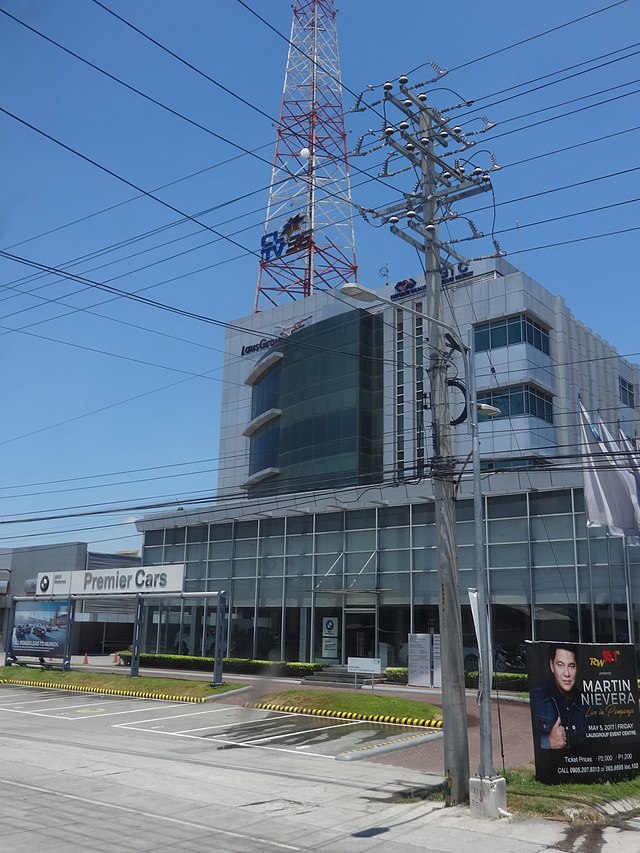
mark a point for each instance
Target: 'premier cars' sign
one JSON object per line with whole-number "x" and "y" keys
{"x": 162, "y": 579}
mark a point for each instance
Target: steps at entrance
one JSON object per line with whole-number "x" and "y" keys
{"x": 337, "y": 677}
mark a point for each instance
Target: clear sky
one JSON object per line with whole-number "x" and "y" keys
{"x": 112, "y": 404}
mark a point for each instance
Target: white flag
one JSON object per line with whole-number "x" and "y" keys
{"x": 610, "y": 493}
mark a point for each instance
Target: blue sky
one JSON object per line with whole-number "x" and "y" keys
{"x": 108, "y": 403}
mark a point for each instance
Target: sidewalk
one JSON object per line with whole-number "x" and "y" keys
{"x": 424, "y": 826}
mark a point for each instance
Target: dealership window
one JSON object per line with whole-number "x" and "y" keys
{"x": 627, "y": 392}
{"x": 511, "y": 330}
{"x": 519, "y": 400}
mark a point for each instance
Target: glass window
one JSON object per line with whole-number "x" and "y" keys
{"x": 507, "y": 506}
{"x": 175, "y": 536}
{"x": 174, "y": 554}
{"x": 299, "y": 565}
{"x": 393, "y": 516}
{"x": 219, "y": 569}
{"x": 152, "y": 556}
{"x": 244, "y": 568}
{"x": 272, "y": 546}
{"x": 245, "y": 548}
{"x": 297, "y": 524}
{"x": 270, "y": 566}
{"x": 299, "y": 545}
{"x": 549, "y": 503}
{"x": 395, "y": 537}
{"x": 218, "y": 532}
{"x": 627, "y": 392}
{"x": 220, "y": 550}
{"x": 552, "y": 553}
{"x": 424, "y": 536}
{"x": 360, "y": 540}
{"x": 394, "y": 561}
{"x": 482, "y": 337}
{"x": 545, "y": 528}
{"x": 517, "y": 400}
{"x": 512, "y": 330}
{"x": 329, "y": 543}
{"x": 508, "y": 556}
{"x": 197, "y": 533}
{"x": 464, "y": 510}
{"x": 498, "y": 334}
{"x": 272, "y": 527}
{"x": 329, "y": 521}
{"x": 197, "y": 552}
{"x": 361, "y": 518}
{"x": 424, "y": 513}
{"x": 246, "y": 529}
{"x": 154, "y": 537}
{"x": 508, "y": 530}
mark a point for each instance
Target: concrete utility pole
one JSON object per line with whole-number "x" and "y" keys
{"x": 441, "y": 184}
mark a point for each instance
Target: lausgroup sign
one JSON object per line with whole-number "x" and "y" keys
{"x": 142, "y": 579}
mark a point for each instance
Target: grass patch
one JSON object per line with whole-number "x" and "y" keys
{"x": 115, "y": 681}
{"x": 581, "y": 803}
{"x": 355, "y": 702}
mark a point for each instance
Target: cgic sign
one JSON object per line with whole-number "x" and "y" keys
{"x": 147, "y": 579}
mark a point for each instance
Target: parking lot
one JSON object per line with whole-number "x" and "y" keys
{"x": 221, "y": 726}
{"x": 92, "y": 772}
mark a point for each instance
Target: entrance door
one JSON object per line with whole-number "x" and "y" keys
{"x": 359, "y": 634}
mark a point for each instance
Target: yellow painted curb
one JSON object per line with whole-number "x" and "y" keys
{"x": 110, "y": 691}
{"x": 350, "y": 715}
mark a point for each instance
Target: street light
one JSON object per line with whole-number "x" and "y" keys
{"x": 496, "y": 796}
{"x": 454, "y": 704}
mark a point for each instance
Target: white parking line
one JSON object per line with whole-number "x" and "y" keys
{"x": 304, "y": 732}
{"x": 216, "y": 710}
{"x": 224, "y": 742}
{"x": 39, "y": 714}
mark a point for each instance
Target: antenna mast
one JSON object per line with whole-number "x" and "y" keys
{"x": 308, "y": 241}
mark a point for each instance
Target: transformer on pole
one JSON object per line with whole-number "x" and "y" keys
{"x": 308, "y": 241}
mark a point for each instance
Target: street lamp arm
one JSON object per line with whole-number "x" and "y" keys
{"x": 364, "y": 294}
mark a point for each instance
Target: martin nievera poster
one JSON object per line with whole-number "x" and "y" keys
{"x": 584, "y": 711}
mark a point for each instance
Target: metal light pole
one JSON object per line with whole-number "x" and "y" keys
{"x": 486, "y": 769}
{"x": 454, "y": 705}
{"x": 488, "y": 791}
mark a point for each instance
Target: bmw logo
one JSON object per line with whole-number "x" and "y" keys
{"x": 329, "y": 625}
{"x": 44, "y": 583}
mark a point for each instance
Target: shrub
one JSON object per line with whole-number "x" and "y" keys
{"x": 242, "y": 666}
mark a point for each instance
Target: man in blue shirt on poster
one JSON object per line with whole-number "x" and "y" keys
{"x": 559, "y": 719}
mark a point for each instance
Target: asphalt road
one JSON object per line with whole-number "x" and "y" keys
{"x": 97, "y": 773}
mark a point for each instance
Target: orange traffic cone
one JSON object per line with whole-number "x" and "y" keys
{"x": 86, "y": 658}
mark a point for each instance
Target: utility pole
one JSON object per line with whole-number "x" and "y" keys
{"x": 418, "y": 137}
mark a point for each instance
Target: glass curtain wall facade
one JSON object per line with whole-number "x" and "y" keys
{"x": 318, "y": 408}
{"x": 325, "y": 586}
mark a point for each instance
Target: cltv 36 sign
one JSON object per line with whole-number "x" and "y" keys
{"x": 288, "y": 239}
{"x": 410, "y": 287}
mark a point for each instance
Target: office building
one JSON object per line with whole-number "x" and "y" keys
{"x": 323, "y": 534}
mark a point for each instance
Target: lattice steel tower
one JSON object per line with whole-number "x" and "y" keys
{"x": 308, "y": 242}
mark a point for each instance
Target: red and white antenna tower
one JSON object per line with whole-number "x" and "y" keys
{"x": 308, "y": 242}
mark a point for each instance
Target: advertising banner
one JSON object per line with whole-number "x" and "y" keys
{"x": 584, "y": 711}
{"x": 40, "y": 629}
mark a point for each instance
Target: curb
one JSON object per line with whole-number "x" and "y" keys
{"x": 349, "y": 715}
{"x": 390, "y": 746}
{"x": 105, "y": 691}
